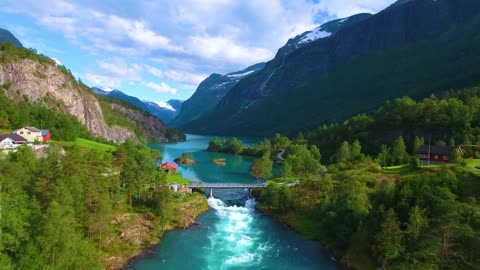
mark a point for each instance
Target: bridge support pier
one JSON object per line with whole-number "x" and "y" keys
{"x": 250, "y": 192}
{"x": 211, "y": 192}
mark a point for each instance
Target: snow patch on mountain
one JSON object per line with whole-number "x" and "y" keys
{"x": 314, "y": 35}
{"x": 241, "y": 74}
{"x": 107, "y": 89}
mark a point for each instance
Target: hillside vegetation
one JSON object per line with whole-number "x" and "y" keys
{"x": 375, "y": 205}
{"x": 80, "y": 208}
{"x": 33, "y": 78}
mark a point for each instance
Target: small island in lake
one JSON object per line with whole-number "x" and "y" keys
{"x": 219, "y": 161}
{"x": 186, "y": 158}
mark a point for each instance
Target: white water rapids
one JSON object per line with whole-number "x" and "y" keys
{"x": 236, "y": 235}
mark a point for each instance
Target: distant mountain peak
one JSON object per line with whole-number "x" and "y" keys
{"x": 6, "y": 36}
{"x": 327, "y": 29}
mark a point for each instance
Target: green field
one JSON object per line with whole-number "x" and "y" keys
{"x": 400, "y": 169}
{"x": 177, "y": 178}
{"x": 473, "y": 166}
{"x": 88, "y": 144}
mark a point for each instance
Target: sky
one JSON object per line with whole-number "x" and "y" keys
{"x": 160, "y": 49}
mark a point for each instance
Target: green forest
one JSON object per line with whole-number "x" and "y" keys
{"x": 68, "y": 209}
{"x": 364, "y": 194}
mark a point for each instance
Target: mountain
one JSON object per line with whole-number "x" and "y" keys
{"x": 6, "y": 36}
{"x": 176, "y": 104}
{"x": 209, "y": 93}
{"x": 412, "y": 48}
{"x": 166, "y": 114}
{"x": 37, "y": 79}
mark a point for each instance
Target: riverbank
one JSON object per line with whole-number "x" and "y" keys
{"x": 137, "y": 233}
{"x": 308, "y": 228}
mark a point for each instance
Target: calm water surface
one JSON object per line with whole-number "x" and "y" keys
{"x": 232, "y": 234}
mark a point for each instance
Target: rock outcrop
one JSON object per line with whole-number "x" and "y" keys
{"x": 46, "y": 83}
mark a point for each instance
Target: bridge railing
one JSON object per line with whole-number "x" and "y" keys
{"x": 234, "y": 185}
{"x": 226, "y": 186}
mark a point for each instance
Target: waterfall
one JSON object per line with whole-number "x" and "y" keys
{"x": 236, "y": 235}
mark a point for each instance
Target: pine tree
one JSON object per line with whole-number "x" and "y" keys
{"x": 399, "y": 152}
{"x": 343, "y": 154}
{"x": 417, "y": 142}
{"x": 356, "y": 150}
{"x": 389, "y": 239}
{"x": 384, "y": 156}
{"x": 417, "y": 222}
{"x": 315, "y": 152}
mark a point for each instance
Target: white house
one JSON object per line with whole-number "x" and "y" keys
{"x": 32, "y": 134}
{"x": 11, "y": 141}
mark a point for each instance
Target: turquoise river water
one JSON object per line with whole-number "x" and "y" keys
{"x": 232, "y": 234}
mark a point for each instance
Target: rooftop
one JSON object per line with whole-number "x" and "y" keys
{"x": 435, "y": 150}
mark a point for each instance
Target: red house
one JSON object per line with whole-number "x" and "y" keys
{"x": 167, "y": 166}
{"x": 45, "y": 135}
{"x": 435, "y": 154}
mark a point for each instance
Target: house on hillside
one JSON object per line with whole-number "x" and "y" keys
{"x": 11, "y": 141}
{"x": 169, "y": 168}
{"x": 435, "y": 154}
{"x": 45, "y": 135}
{"x": 32, "y": 134}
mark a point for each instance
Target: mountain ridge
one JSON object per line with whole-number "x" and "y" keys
{"x": 7, "y": 36}
{"x": 300, "y": 82}
{"x": 162, "y": 113}
{"x": 209, "y": 92}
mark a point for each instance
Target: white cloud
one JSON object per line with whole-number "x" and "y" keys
{"x": 189, "y": 39}
{"x": 102, "y": 80}
{"x": 57, "y": 61}
{"x": 117, "y": 67}
{"x": 214, "y": 48}
{"x": 182, "y": 77}
{"x": 165, "y": 105}
{"x": 345, "y": 8}
{"x": 161, "y": 88}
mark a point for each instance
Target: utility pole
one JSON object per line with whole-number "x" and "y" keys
{"x": 428, "y": 162}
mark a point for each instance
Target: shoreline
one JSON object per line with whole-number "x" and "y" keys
{"x": 122, "y": 262}
{"x": 333, "y": 255}
{"x": 147, "y": 251}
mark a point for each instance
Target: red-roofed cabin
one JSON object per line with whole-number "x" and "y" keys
{"x": 169, "y": 167}
{"x": 435, "y": 154}
{"x": 45, "y": 135}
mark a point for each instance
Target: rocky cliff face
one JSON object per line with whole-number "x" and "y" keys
{"x": 149, "y": 125}
{"x": 47, "y": 84}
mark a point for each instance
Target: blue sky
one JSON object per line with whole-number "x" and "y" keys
{"x": 161, "y": 50}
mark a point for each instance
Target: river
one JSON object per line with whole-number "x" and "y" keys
{"x": 232, "y": 234}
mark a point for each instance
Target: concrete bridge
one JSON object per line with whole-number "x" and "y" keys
{"x": 211, "y": 186}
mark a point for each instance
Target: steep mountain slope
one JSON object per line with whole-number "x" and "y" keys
{"x": 6, "y": 36}
{"x": 411, "y": 48}
{"x": 209, "y": 93}
{"x": 162, "y": 113}
{"x": 36, "y": 78}
{"x": 176, "y": 104}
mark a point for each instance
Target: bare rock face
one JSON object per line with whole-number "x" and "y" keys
{"x": 46, "y": 82}
{"x": 152, "y": 128}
